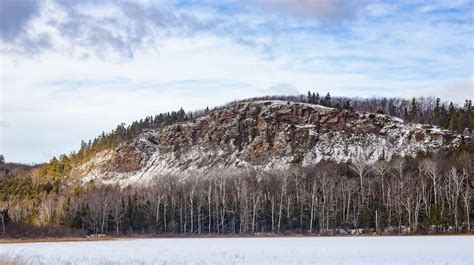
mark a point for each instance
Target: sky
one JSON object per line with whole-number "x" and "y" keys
{"x": 72, "y": 69}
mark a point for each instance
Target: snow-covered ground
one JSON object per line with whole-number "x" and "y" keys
{"x": 296, "y": 250}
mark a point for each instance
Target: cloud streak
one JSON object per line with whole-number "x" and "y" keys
{"x": 326, "y": 11}
{"x": 114, "y": 30}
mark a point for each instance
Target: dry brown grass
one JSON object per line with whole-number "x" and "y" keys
{"x": 17, "y": 259}
{"x": 50, "y": 239}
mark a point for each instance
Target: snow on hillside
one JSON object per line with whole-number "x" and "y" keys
{"x": 263, "y": 135}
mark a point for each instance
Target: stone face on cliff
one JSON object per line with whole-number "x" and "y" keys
{"x": 263, "y": 135}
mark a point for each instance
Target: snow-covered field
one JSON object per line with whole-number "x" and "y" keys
{"x": 295, "y": 250}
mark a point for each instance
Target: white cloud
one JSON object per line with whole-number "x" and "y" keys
{"x": 60, "y": 88}
{"x": 454, "y": 90}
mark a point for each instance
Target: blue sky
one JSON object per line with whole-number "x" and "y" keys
{"x": 72, "y": 69}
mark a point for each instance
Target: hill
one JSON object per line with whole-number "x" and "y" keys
{"x": 263, "y": 135}
{"x": 266, "y": 165}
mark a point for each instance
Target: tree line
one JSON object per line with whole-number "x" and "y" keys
{"x": 424, "y": 194}
{"x": 426, "y": 110}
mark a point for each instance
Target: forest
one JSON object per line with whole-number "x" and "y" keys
{"x": 430, "y": 193}
{"x": 427, "y": 194}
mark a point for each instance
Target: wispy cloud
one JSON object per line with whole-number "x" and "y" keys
{"x": 71, "y": 69}
{"x": 15, "y": 16}
{"x": 327, "y": 11}
{"x": 116, "y": 30}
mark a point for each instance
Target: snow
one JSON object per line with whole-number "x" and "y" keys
{"x": 291, "y": 103}
{"x": 305, "y": 126}
{"x": 288, "y": 250}
{"x": 360, "y": 140}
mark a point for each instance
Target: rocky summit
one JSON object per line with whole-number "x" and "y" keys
{"x": 262, "y": 135}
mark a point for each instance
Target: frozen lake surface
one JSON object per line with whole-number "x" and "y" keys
{"x": 288, "y": 250}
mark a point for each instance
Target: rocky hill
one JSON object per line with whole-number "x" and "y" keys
{"x": 262, "y": 135}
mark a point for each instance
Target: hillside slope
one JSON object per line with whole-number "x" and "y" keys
{"x": 262, "y": 135}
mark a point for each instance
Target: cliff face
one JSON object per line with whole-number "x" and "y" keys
{"x": 263, "y": 135}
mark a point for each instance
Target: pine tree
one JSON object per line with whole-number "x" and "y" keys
{"x": 437, "y": 111}
{"x": 312, "y": 98}
{"x": 327, "y": 100}
{"x": 347, "y": 105}
{"x": 453, "y": 122}
{"x": 468, "y": 105}
{"x": 452, "y": 117}
{"x": 470, "y": 116}
{"x": 413, "y": 110}
{"x": 181, "y": 115}
{"x": 83, "y": 146}
{"x": 443, "y": 117}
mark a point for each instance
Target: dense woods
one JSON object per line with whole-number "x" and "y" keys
{"x": 424, "y": 194}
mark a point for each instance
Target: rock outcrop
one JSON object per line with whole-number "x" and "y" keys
{"x": 263, "y": 135}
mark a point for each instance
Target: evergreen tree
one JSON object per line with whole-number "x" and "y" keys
{"x": 347, "y": 105}
{"x": 470, "y": 116}
{"x": 181, "y": 115}
{"x": 437, "y": 111}
{"x": 452, "y": 117}
{"x": 83, "y": 145}
{"x": 327, "y": 100}
{"x": 451, "y": 108}
{"x": 468, "y": 105}
{"x": 405, "y": 114}
{"x": 413, "y": 110}
{"x": 312, "y": 98}
{"x": 443, "y": 117}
